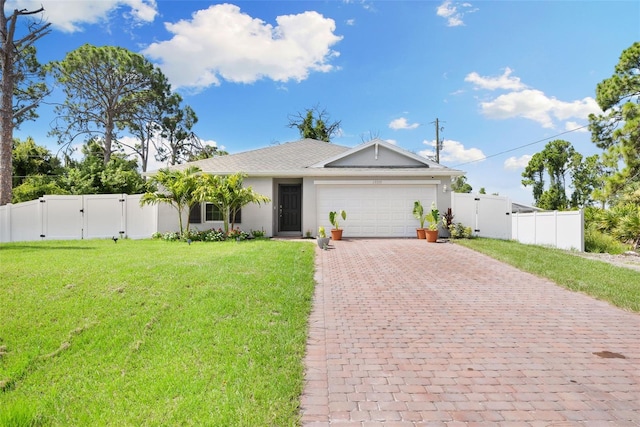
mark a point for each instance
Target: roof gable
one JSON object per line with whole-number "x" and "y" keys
{"x": 377, "y": 154}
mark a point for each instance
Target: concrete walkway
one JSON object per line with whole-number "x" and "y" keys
{"x": 409, "y": 333}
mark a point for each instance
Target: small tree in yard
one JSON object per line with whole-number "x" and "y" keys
{"x": 177, "y": 188}
{"x": 228, "y": 195}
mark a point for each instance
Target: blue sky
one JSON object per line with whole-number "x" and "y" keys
{"x": 499, "y": 75}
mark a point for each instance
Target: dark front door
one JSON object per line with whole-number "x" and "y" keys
{"x": 290, "y": 207}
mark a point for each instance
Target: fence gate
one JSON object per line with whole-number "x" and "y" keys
{"x": 488, "y": 216}
{"x": 104, "y": 215}
{"x": 61, "y": 217}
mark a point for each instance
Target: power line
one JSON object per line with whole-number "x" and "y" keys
{"x": 522, "y": 146}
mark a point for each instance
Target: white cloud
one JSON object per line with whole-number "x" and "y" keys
{"x": 535, "y": 105}
{"x": 528, "y": 103}
{"x": 454, "y": 12}
{"x": 211, "y": 143}
{"x": 515, "y": 163}
{"x": 576, "y": 127}
{"x": 402, "y": 123}
{"x": 391, "y": 141}
{"x": 453, "y": 152}
{"x": 351, "y": 22}
{"x": 221, "y": 42}
{"x": 70, "y": 16}
{"x": 505, "y": 81}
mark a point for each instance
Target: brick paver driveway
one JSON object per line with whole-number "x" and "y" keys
{"x": 405, "y": 333}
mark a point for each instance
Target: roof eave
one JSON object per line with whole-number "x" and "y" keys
{"x": 346, "y": 172}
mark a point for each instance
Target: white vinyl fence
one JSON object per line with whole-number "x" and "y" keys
{"x": 81, "y": 217}
{"x": 491, "y": 216}
{"x": 120, "y": 215}
{"x": 563, "y": 230}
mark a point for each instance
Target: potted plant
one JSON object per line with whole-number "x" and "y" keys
{"x": 418, "y": 213}
{"x": 322, "y": 239}
{"x": 433, "y": 217}
{"x": 447, "y": 220}
{"x": 336, "y": 231}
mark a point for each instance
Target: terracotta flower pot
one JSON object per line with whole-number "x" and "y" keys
{"x": 336, "y": 234}
{"x": 421, "y": 233}
{"x": 432, "y": 235}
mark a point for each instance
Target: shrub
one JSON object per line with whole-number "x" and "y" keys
{"x": 459, "y": 231}
{"x": 237, "y": 234}
{"x": 258, "y": 234}
{"x": 213, "y": 235}
{"x": 598, "y": 242}
{"x": 621, "y": 221}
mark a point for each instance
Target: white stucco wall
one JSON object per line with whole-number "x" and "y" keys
{"x": 254, "y": 217}
{"x": 258, "y": 217}
{"x": 309, "y": 220}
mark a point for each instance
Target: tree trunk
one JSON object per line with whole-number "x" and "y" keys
{"x": 6, "y": 160}
{"x": 108, "y": 138}
{"x": 6, "y": 110}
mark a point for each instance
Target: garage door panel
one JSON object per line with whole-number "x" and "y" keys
{"x": 374, "y": 210}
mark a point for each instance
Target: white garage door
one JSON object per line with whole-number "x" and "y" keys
{"x": 374, "y": 210}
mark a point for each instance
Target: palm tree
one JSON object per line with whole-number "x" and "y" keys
{"x": 176, "y": 188}
{"x": 228, "y": 195}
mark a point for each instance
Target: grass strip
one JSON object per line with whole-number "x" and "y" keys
{"x": 618, "y": 285}
{"x": 153, "y": 332}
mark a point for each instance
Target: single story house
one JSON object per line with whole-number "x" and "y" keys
{"x": 376, "y": 183}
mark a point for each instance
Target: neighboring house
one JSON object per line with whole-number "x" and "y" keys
{"x": 376, "y": 183}
{"x": 522, "y": 208}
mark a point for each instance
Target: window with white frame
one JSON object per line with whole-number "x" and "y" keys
{"x": 212, "y": 213}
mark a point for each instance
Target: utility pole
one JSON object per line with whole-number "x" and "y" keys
{"x": 438, "y": 141}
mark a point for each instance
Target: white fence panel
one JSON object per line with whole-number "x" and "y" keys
{"x": 168, "y": 218}
{"x": 563, "y": 230}
{"x": 488, "y": 216}
{"x": 141, "y": 221}
{"x": 26, "y": 221}
{"x": 61, "y": 217}
{"x": 104, "y": 216}
{"x": 524, "y": 228}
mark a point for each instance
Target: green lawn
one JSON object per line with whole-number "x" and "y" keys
{"x": 153, "y": 332}
{"x": 618, "y": 285}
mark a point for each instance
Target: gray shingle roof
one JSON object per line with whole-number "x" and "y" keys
{"x": 297, "y": 158}
{"x": 290, "y": 156}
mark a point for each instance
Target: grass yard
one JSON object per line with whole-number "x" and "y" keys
{"x": 153, "y": 332}
{"x": 618, "y": 285}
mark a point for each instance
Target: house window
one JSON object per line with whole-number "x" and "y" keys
{"x": 195, "y": 214}
{"x": 212, "y": 213}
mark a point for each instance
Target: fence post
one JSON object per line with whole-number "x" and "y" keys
{"x": 581, "y": 211}
{"x": 535, "y": 227}
{"x": 555, "y": 228}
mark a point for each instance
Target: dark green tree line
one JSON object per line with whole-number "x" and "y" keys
{"x": 565, "y": 168}
{"x": 36, "y": 172}
{"x": 617, "y": 130}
